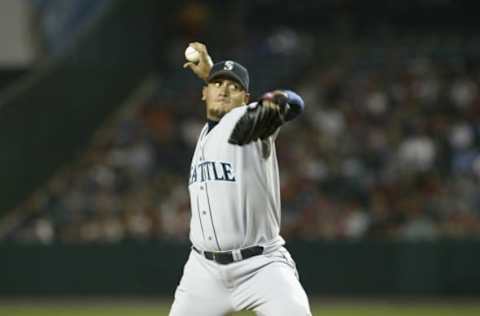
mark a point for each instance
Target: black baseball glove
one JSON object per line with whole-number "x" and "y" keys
{"x": 261, "y": 120}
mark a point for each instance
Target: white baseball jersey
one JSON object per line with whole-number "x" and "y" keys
{"x": 234, "y": 190}
{"x": 235, "y": 201}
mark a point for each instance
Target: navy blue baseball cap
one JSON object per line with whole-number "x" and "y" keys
{"x": 230, "y": 69}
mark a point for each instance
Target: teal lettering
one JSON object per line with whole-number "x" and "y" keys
{"x": 227, "y": 171}
{"x": 215, "y": 174}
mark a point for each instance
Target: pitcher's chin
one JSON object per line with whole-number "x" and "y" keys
{"x": 215, "y": 114}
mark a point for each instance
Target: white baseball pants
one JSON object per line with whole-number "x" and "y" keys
{"x": 267, "y": 284}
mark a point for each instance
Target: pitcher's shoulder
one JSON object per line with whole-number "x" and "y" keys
{"x": 234, "y": 115}
{"x": 236, "y": 112}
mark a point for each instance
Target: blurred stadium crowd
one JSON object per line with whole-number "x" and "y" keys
{"x": 388, "y": 148}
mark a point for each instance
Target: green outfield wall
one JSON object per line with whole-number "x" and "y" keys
{"x": 447, "y": 268}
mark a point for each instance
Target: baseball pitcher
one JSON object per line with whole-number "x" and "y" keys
{"x": 237, "y": 261}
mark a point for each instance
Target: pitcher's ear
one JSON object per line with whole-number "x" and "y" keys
{"x": 204, "y": 93}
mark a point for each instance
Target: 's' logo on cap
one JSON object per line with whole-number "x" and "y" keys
{"x": 228, "y": 65}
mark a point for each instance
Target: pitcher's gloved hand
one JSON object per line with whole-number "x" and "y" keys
{"x": 261, "y": 119}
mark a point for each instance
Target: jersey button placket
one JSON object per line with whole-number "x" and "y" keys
{"x": 209, "y": 228}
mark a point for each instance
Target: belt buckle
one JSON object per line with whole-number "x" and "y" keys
{"x": 217, "y": 257}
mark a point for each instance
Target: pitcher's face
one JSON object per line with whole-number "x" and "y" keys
{"x": 222, "y": 95}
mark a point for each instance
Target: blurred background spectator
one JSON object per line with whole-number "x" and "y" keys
{"x": 388, "y": 148}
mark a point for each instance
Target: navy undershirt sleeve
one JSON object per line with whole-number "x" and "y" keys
{"x": 296, "y": 105}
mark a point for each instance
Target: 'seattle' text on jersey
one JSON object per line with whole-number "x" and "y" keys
{"x": 211, "y": 171}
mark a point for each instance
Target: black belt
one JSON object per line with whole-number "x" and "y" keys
{"x": 226, "y": 257}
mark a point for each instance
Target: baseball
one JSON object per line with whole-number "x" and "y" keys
{"x": 191, "y": 54}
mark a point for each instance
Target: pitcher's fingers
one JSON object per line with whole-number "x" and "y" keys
{"x": 189, "y": 65}
{"x": 199, "y": 47}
